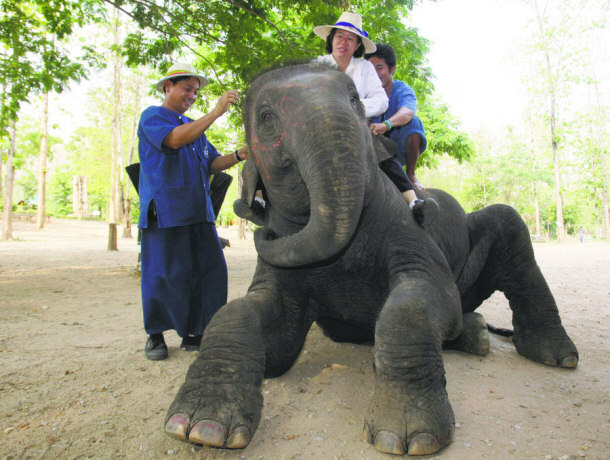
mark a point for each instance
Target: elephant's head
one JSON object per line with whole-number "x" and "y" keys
{"x": 311, "y": 147}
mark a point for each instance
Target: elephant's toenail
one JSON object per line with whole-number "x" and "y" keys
{"x": 177, "y": 426}
{"x": 388, "y": 442}
{"x": 366, "y": 433}
{"x": 424, "y": 444}
{"x": 570, "y": 362}
{"x": 239, "y": 438}
{"x": 207, "y": 432}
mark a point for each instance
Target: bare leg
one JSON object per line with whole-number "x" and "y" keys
{"x": 412, "y": 154}
{"x": 409, "y": 196}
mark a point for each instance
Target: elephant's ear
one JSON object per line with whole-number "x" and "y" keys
{"x": 250, "y": 179}
{"x": 384, "y": 147}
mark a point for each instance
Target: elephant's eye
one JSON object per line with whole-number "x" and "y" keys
{"x": 270, "y": 124}
{"x": 268, "y": 116}
{"x": 354, "y": 99}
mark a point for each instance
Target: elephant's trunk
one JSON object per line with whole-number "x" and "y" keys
{"x": 334, "y": 176}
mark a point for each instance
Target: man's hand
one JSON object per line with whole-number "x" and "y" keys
{"x": 225, "y": 101}
{"x": 244, "y": 152}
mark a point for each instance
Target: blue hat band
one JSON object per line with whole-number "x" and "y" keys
{"x": 364, "y": 33}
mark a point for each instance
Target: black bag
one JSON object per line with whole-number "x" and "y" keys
{"x": 219, "y": 184}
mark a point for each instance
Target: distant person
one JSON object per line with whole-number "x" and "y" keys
{"x": 399, "y": 122}
{"x": 184, "y": 273}
{"x": 581, "y": 234}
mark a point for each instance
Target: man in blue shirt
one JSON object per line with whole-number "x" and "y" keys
{"x": 399, "y": 122}
{"x": 184, "y": 273}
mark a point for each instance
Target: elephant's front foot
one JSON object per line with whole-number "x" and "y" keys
{"x": 409, "y": 419}
{"x": 550, "y": 346}
{"x": 217, "y": 415}
{"x": 474, "y": 337}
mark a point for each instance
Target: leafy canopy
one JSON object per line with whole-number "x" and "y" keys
{"x": 230, "y": 40}
{"x": 233, "y": 40}
{"x": 32, "y": 56}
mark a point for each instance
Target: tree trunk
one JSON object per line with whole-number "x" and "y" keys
{"x": 41, "y": 212}
{"x": 1, "y": 176}
{"x": 7, "y": 226}
{"x": 605, "y": 213}
{"x": 552, "y": 88}
{"x": 114, "y": 212}
{"x": 112, "y": 236}
{"x": 598, "y": 225}
{"x": 601, "y": 130}
{"x": 132, "y": 147}
{"x": 80, "y": 201}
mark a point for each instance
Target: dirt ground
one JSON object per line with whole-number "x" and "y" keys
{"x": 74, "y": 382}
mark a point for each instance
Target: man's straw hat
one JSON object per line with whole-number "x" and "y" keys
{"x": 181, "y": 69}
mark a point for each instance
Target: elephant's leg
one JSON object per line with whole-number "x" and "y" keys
{"x": 506, "y": 262}
{"x": 220, "y": 402}
{"x": 410, "y": 411}
{"x": 474, "y": 338}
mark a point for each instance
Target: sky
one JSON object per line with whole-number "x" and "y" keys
{"x": 472, "y": 55}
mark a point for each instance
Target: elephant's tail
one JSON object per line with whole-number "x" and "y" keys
{"x": 499, "y": 330}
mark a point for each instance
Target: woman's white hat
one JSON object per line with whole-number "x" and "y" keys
{"x": 352, "y": 22}
{"x": 181, "y": 69}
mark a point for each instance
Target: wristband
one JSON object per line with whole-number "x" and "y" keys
{"x": 237, "y": 157}
{"x": 388, "y": 124}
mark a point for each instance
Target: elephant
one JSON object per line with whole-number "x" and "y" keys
{"x": 340, "y": 247}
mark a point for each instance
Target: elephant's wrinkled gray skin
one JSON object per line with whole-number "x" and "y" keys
{"x": 341, "y": 248}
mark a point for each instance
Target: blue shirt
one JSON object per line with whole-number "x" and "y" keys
{"x": 402, "y": 95}
{"x": 177, "y": 180}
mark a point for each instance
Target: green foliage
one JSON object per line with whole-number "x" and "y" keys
{"x": 89, "y": 156}
{"x": 29, "y": 185}
{"x": 32, "y": 56}
{"x": 443, "y": 135}
{"x": 235, "y": 40}
{"x": 59, "y": 202}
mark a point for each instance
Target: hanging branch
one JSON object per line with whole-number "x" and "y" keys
{"x": 172, "y": 32}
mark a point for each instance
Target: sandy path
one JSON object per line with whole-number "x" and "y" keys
{"x": 74, "y": 382}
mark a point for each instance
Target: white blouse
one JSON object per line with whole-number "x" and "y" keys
{"x": 368, "y": 84}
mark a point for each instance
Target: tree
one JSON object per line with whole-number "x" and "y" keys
{"x": 235, "y": 40}
{"x": 555, "y": 42}
{"x": 7, "y": 228}
{"x": 114, "y": 213}
{"x": 42, "y": 158}
{"x": 32, "y": 56}
{"x": 32, "y": 59}
{"x": 443, "y": 134}
{"x": 598, "y": 121}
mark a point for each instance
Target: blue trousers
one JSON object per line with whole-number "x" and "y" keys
{"x": 184, "y": 278}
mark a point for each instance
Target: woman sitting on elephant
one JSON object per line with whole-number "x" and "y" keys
{"x": 346, "y": 43}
